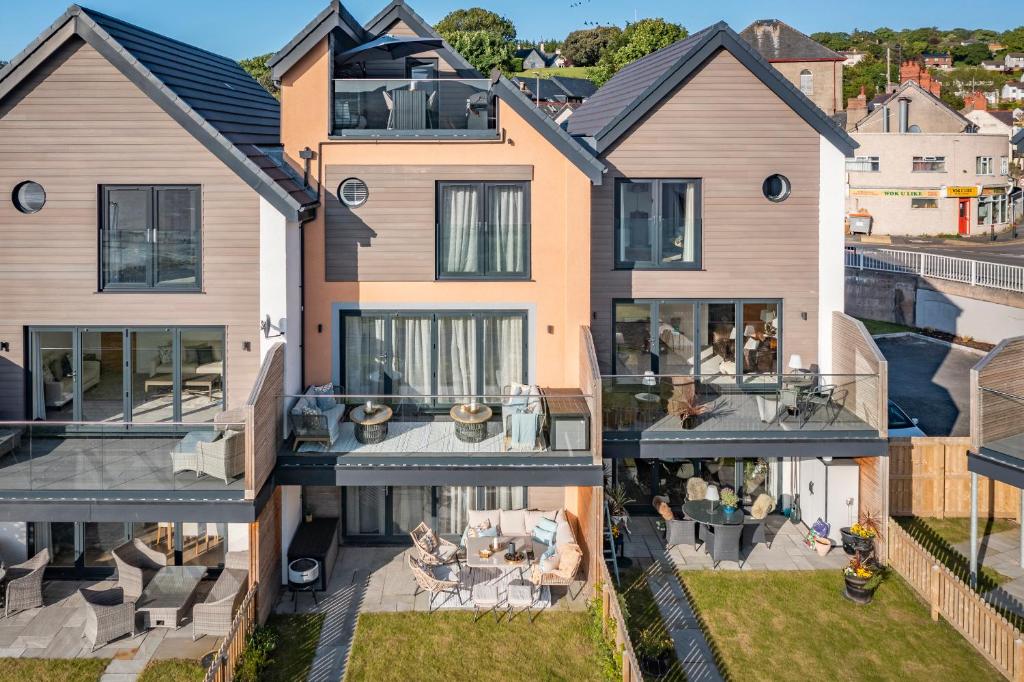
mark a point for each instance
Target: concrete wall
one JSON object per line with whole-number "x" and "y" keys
{"x": 881, "y": 296}
{"x": 982, "y": 320}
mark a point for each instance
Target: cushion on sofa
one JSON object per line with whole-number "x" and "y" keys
{"x": 549, "y": 562}
{"x": 322, "y": 394}
{"x": 474, "y": 531}
{"x": 563, "y": 534}
{"x": 545, "y": 531}
{"x": 513, "y": 522}
{"x": 569, "y": 556}
{"x": 478, "y": 516}
{"x": 489, "y": 532}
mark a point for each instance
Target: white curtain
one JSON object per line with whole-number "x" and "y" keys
{"x": 503, "y": 352}
{"x": 689, "y": 210}
{"x": 504, "y": 497}
{"x": 457, "y": 359}
{"x": 364, "y": 355}
{"x": 411, "y": 348}
{"x": 460, "y": 228}
{"x": 506, "y": 239}
{"x": 454, "y": 504}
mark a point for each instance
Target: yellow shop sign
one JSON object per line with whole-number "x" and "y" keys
{"x": 930, "y": 193}
{"x": 962, "y": 192}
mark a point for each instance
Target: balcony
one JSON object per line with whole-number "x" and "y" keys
{"x": 704, "y": 412}
{"x": 997, "y": 414}
{"x": 551, "y": 428}
{"x": 416, "y": 108}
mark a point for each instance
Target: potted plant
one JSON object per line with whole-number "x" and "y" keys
{"x": 654, "y": 649}
{"x": 862, "y": 579}
{"x": 822, "y": 545}
{"x": 689, "y": 411}
{"x": 617, "y": 501}
{"x": 730, "y": 500}
{"x": 860, "y": 537}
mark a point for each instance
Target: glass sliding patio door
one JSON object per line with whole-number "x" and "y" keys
{"x": 365, "y": 354}
{"x": 457, "y": 356}
{"x": 54, "y": 358}
{"x": 411, "y": 351}
{"x": 410, "y": 505}
{"x": 365, "y": 508}
{"x": 153, "y": 382}
{"x": 101, "y": 376}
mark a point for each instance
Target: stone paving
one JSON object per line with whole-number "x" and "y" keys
{"x": 1001, "y": 553}
{"x": 56, "y": 631}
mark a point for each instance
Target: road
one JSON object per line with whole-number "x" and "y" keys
{"x": 1009, "y": 252}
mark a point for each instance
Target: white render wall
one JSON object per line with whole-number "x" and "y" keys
{"x": 280, "y": 290}
{"x": 831, "y": 270}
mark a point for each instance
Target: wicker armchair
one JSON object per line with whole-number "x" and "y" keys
{"x": 434, "y": 580}
{"x": 434, "y": 550}
{"x": 23, "y": 584}
{"x": 214, "y": 616}
{"x": 224, "y": 458}
{"x": 136, "y": 565}
{"x": 565, "y": 574}
{"x": 107, "y": 615}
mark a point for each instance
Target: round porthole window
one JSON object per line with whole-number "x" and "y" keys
{"x": 776, "y": 188}
{"x": 353, "y": 192}
{"x": 29, "y": 197}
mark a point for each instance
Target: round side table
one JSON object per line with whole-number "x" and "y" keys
{"x": 371, "y": 428}
{"x": 471, "y": 425}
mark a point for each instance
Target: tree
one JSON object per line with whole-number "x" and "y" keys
{"x": 258, "y": 69}
{"x": 971, "y": 55}
{"x": 476, "y": 19}
{"x": 486, "y": 51}
{"x": 833, "y": 41}
{"x": 585, "y": 48}
{"x": 1013, "y": 39}
{"x": 640, "y": 39}
{"x": 869, "y": 73}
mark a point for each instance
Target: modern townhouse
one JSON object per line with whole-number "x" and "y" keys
{"x": 445, "y": 274}
{"x": 150, "y": 279}
{"x": 716, "y": 287}
{"x": 923, "y": 168}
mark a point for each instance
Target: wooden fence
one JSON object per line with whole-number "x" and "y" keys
{"x": 947, "y": 596}
{"x": 223, "y": 667}
{"x": 929, "y": 477}
{"x": 614, "y": 627}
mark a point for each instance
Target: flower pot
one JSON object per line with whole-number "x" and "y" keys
{"x": 856, "y": 590}
{"x": 855, "y": 543}
{"x": 655, "y": 666}
{"x": 728, "y": 510}
{"x": 822, "y": 546}
{"x": 689, "y": 422}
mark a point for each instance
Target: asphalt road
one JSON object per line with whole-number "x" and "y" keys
{"x": 932, "y": 382}
{"x": 1006, "y": 252}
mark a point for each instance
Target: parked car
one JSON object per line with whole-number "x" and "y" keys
{"x": 902, "y": 425}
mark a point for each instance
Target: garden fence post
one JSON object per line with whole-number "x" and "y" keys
{"x": 1018, "y": 660}
{"x": 933, "y": 591}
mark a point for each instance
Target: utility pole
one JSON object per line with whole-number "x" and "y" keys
{"x": 888, "y": 69}
{"x": 536, "y": 93}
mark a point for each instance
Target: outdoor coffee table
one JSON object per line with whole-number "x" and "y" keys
{"x": 497, "y": 560}
{"x": 471, "y": 424}
{"x": 169, "y": 596}
{"x": 371, "y": 428}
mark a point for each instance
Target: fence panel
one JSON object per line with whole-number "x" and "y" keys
{"x": 937, "y": 266}
{"x": 611, "y": 611}
{"x": 223, "y": 667}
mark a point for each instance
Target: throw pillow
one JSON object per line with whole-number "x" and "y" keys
{"x": 544, "y": 531}
{"x": 474, "y": 531}
{"x": 164, "y": 353}
{"x": 491, "y": 532}
{"x": 429, "y": 545}
{"x": 550, "y": 563}
{"x": 311, "y": 417}
{"x": 569, "y": 556}
{"x": 204, "y": 355}
{"x": 48, "y": 374}
{"x": 323, "y": 393}
{"x": 549, "y": 552}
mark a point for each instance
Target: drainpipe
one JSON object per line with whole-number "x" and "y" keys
{"x": 885, "y": 118}
{"x": 904, "y": 114}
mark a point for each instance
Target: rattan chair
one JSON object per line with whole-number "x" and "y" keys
{"x": 224, "y": 458}
{"x": 723, "y": 543}
{"x": 23, "y": 584}
{"x": 214, "y": 616}
{"x": 559, "y": 577}
{"x": 107, "y": 615}
{"x": 434, "y": 550}
{"x": 435, "y": 580}
{"x": 136, "y": 565}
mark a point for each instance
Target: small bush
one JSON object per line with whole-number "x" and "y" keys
{"x": 258, "y": 654}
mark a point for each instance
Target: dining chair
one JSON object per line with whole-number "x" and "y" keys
{"x": 723, "y": 543}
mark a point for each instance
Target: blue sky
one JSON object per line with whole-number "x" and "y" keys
{"x": 241, "y": 28}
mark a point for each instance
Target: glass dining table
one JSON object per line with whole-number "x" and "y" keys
{"x": 712, "y": 512}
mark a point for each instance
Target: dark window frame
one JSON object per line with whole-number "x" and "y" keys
{"x": 485, "y": 273}
{"x": 697, "y": 303}
{"x": 477, "y": 315}
{"x": 656, "y": 192}
{"x": 153, "y": 208}
{"x": 412, "y": 62}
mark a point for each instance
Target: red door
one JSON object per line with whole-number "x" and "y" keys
{"x": 964, "y": 224}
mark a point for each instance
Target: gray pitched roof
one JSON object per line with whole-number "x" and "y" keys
{"x": 576, "y": 87}
{"x": 210, "y": 96}
{"x": 777, "y": 40}
{"x": 332, "y": 17}
{"x": 639, "y": 86}
{"x": 880, "y": 100}
{"x": 549, "y": 90}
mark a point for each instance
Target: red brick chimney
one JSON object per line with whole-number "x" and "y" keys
{"x": 975, "y": 102}
{"x": 914, "y": 71}
{"x": 857, "y": 107}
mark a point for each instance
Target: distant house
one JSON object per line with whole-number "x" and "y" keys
{"x": 1014, "y": 60}
{"x": 556, "y": 89}
{"x": 853, "y": 57}
{"x": 576, "y": 89}
{"x": 1013, "y": 90}
{"x": 937, "y": 60}
{"x": 538, "y": 58}
{"x": 995, "y": 47}
{"x": 993, "y": 65}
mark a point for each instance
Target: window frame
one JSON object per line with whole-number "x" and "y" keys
{"x": 914, "y": 160}
{"x": 656, "y": 192}
{"x": 873, "y": 162}
{"x": 485, "y": 274}
{"x": 808, "y": 88}
{"x": 152, "y": 287}
{"x": 934, "y": 203}
{"x": 1004, "y": 165}
{"x": 698, "y": 321}
{"x": 478, "y": 316}
{"x": 984, "y": 165}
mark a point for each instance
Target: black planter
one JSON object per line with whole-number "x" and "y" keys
{"x": 855, "y": 543}
{"x": 689, "y": 422}
{"x": 855, "y": 590}
{"x": 655, "y": 666}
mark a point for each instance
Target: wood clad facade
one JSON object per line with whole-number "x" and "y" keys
{"x": 263, "y": 428}
{"x": 752, "y": 248}
{"x": 77, "y": 123}
{"x": 996, "y": 413}
{"x": 856, "y": 355}
{"x": 265, "y": 554}
{"x": 391, "y": 237}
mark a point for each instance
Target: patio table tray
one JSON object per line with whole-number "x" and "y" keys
{"x": 169, "y": 596}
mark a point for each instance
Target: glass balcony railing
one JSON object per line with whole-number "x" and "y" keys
{"x": 709, "y": 405}
{"x": 545, "y": 421}
{"x": 121, "y": 457}
{"x": 366, "y": 106}
{"x": 1000, "y": 421}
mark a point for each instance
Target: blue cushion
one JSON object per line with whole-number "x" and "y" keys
{"x": 324, "y": 403}
{"x": 544, "y": 531}
{"x": 491, "y": 532}
{"x": 548, "y": 553}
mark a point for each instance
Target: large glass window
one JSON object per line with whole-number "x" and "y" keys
{"x": 447, "y": 354}
{"x": 993, "y": 209}
{"x": 149, "y": 237}
{"x": 657, "y": 224}
{"x": 864, "y": 164}
{"x": 102, "y": 375}
{"x": 680, "y": 337}
{"x": 201, "y": 357}
{"x": 100, "y": 538}
{"x": 983, "y": 165}
{"x": 483, "y": 229}
{"x": 928, "y": 164}
{"x": 53, "y": 372}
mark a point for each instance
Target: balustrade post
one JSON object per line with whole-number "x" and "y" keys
{"x": 933, "y": 591}
{"x": 974, "y": 272}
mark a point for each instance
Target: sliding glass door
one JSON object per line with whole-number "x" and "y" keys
{"x": 117, "y": 374}
{"x": 422, "y": 354}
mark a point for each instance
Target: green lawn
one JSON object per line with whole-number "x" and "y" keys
{"x": 939, "y": 535}
{"x": 173, "y": 670}
{"x": 53, "y": 669}
{"x": 797, "y": 625}
{"x": 449, "y": 646}
{"x": 568, "y": 72}
{"x": 879, "y": 327}
{"x": 641, "y": 612}
{"x": 959, "y": 530}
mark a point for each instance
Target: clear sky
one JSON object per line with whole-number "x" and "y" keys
{"x": 242, "y": 28}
